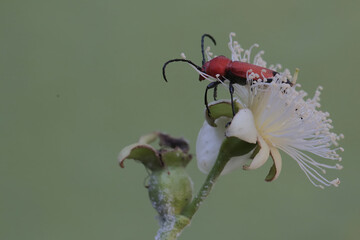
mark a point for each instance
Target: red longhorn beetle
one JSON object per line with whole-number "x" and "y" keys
{"x": 223, "y": 68}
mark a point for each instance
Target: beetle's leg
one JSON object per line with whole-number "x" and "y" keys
{"x": 210, "y": 86}
{"x": 215, "y": 92}
{"x": 231, "y": 90}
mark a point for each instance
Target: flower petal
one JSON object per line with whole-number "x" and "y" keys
{"x": 243, "y": 126}
{"x": 208, "y": 144}
{"x": 276, "y": 167}
{"x": 260, "y": 157}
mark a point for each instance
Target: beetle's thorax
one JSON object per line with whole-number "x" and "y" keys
{"x": 215, "y": 67}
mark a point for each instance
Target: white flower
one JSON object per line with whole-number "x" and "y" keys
{"x": 277, "y": 116}
{"x": 208, "y": 146}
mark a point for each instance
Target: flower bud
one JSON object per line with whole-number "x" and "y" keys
{"x": 169, "y": 185}
{"x": 170, "y": 190}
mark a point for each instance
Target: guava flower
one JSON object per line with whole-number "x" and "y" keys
{"x": 277, "y": 117}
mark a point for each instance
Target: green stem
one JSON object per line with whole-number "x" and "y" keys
{"x": 172, "y": 227}
{"x": 231, "y": 147}
{"x": 215, "y": 172}
{"x": 173, "y": 232}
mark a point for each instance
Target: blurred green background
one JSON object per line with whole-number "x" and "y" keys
{"x": 79, "y": 80}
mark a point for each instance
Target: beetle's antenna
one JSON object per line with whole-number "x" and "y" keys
{"x": 178, "y": 60}
{"x": 202, "y": 45}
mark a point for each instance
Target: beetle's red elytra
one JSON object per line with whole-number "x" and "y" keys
{"x": 235, "y": 71}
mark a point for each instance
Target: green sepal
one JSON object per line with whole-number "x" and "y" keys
{"x": 146, "y": 154}
{"x": 271, "y": 173}
{"x": 233, "y": 147}
{"x": 221, "y": 108}
{"x": 175, "y": 158}
{"x": 256, "y": 151}
{"x": 153, "y": 159}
